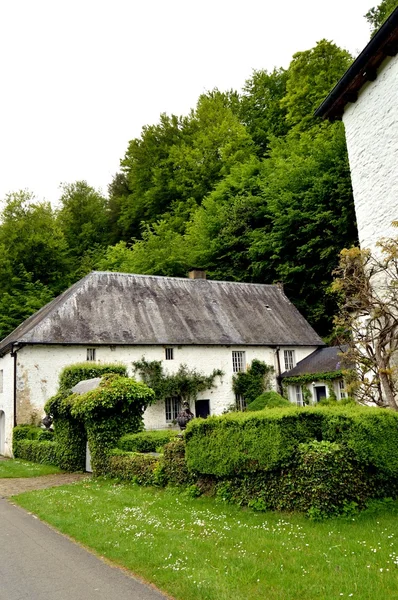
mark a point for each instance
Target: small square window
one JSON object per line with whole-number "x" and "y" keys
{"x": 91, "y": 354}
{"x": 290, "y": 361}
{"x": 238, "y": 361}
{"x": 169, "y": 353}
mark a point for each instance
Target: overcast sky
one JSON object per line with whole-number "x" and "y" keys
{"x": 79, "y": 79}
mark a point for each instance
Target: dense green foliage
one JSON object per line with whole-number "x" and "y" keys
{"x": 34, "y": 444}
{"x": 146, "y": 441}
{"x": 185, "y": 383}
{"x": 269, "y": 399}
{"x": 143, "y": 469}
{"x": 254, "y": 381}
{"x": 72, "y": 374}
{"x": 249, "y": 186}
{"x": 264, "y": 441}
{"x": 378, "y": 14}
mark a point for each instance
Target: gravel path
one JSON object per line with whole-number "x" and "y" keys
{"x": 12, "y": 486}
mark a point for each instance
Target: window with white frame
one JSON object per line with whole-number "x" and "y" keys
{"x": 240, "y": 402}
{"x": 169, "y": 354}
{"x": 1, "y": 381}
{"x": 289, "y": 358}
{"x": 173, "y": 407}
{"x": 91, "y": 354}
{"x": 238, "y": 361}
{"x": 342, "y": 392}
{"x": 299, "y": 395}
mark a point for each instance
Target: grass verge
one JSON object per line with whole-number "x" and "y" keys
{"x": 200, "y": 549}
{"x": 23, "y": 468}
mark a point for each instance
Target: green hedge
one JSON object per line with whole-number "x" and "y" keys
{"x": 72, "y": 374}
{"x": 269, "y": 399}
{"x": 140, "y": 468}
{"x": 35, "y": 451}
{"x": 263, "y": 441}
{"x": 324, "y": 479}
{"x": 245, "y": 443}
{"x": 23, "y": 432}
{"x": 146, "y": 441}
{"x": 175, "y": 465}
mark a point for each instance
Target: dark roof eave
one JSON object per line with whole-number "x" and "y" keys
{"x": 384, "y": 44}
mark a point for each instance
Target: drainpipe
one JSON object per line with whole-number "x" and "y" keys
{"x": 278, "y": 376}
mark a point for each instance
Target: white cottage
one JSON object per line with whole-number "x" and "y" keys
{"x": 120, "y": 317}
{"x": 366, "y": 99}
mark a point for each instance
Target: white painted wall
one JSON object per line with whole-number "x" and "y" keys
{"x": 39, "y": 366}
{"x": 371, "y": 125}
{"x": 340, "y": 394}
{"x": 7, "y": 401}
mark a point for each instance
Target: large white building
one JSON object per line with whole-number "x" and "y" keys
{"x": 120, "y": 317}
{"x": 366, "y": 99}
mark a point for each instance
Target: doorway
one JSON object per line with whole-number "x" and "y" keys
{"x": 202, "y": 408}
{"x": 320, "y": 392}
{"x": 2, "y": 431}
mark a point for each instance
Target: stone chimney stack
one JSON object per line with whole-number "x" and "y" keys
{"x": 197, "y": 274}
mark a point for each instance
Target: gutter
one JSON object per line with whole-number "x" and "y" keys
{"x": 380, "y": 42}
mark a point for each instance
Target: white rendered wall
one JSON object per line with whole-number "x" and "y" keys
{"x": 7, "y": 400}
{"x": 371, "y": 125}
{"x": 39, "y": 366}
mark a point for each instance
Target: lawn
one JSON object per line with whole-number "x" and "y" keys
{"x": 23, "y": 468}
{"x": 201, "y": 549}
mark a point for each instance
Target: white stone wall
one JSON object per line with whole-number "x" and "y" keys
{"x": 7, "y": 401}
{"x": 371, "y": 125}
{"x": 39, "y": 366}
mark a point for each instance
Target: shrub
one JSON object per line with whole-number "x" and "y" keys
{"x": 45, "y": 435}
{"x": 323, "y": 479}
{"x": 254, "y": 381}
{"x": 70, "y": 434}
{"x": 241, "y": 443}
{"x": 146, "y": 441}
{"x": 140, "y": 468}
{"x": 175, "y": 465}
{"x": 108, "y": 412}
{"x": 72, "y": 374}
{"x": 35, "y": 451}
{"x": 23, "y": 432}
{"x": 269, "y": 399}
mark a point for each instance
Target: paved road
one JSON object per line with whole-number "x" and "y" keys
{"x": 37, "y": 563}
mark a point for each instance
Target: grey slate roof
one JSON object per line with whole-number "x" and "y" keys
{"x": 323, "y": 360}
{"x": 121, "y": 308}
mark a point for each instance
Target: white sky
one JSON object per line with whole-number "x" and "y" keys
{"x": 79, "y": 79}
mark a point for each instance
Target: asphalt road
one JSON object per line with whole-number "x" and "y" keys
{"x": 37, "y": 563}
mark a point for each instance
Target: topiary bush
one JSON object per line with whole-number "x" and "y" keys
{"x": 269, "y": 399}
{"x": 146, "y": 441}
{"x": 72, "y": 374}
{"x": 143, "y": 469}
{"x": 249, "y": 442}
{"x": 70, "y": 435}
{"x": 175, "y": 464}
{"x": 113, "y": 409}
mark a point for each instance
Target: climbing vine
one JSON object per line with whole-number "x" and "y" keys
{"x": 302, "y": 380}
{"x": 185, "y": 383}
{"x": 254, "y": 381}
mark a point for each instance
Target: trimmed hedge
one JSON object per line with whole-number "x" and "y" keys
{"x": 263, "y": 441}
{"x": 269, "y": 399}
{"x": 146, "y": 441}
{"x": 175, "y": 465}
{"x": 239, "y": 443}
{"x": 324, "y": 479}
{"x": 71, "y": 375}
{"x": 39, "y": 452}
{"x": 23, "y": 432}
{"x": 140, "y": 468}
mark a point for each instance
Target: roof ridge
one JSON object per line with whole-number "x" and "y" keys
{"x": 183, "y": 278}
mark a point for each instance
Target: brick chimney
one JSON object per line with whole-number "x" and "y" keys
{"x": 197, "y": 274}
